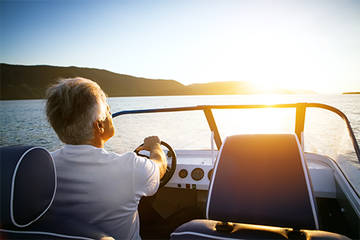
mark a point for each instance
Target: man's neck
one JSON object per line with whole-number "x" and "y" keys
{"x": 96, "y": 142}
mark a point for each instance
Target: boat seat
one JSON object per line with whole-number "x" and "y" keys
{"x": 261, "y": 189}
{"x": 28, "y": 186}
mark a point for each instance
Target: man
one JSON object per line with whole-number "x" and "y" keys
{"x": 94, "y": 185}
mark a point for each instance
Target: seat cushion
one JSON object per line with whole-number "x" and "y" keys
{"x": 53, "y": 225}
{"x": 206, "y": 229}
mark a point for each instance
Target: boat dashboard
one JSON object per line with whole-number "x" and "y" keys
{"x": 194, "y": 170}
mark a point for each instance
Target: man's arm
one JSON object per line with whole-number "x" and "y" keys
{"x": 157, "y": 155}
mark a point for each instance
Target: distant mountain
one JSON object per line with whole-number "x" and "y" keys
{"x": 351, "y": 93}
{"x": 31, "y": 82}
{"x": 236, "y": 88}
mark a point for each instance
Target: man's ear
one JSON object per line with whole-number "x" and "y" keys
{"x": 99, "y": 126}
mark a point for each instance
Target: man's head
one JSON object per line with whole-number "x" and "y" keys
{"x": 74, "y": 107}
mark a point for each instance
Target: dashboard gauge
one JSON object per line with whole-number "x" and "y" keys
{"x": 210, "y": 173}
{"x": 197, "y": 174}
{"x": 183, "y": 173}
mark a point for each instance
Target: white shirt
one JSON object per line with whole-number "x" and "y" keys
{"x": 104, "y": 188}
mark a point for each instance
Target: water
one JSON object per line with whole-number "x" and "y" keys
{"x": 24, "y": 121}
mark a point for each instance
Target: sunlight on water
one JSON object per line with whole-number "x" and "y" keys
{"x": 190, "y": 130}
{"x": 270, "y": 99}
{"x": 255, "y": 121}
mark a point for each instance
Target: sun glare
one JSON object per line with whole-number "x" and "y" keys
{"x": 268, "y": 60}
{"x": 251, "y": 121}
{"x": 269, "y": 98}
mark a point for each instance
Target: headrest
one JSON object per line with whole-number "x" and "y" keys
{"x": 28, "y": 184}
{"x": 262, "y": 179}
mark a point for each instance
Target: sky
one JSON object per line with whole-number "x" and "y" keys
{"x": 295, "y": 44}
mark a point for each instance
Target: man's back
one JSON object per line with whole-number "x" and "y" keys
{"x": 104, "y": 188}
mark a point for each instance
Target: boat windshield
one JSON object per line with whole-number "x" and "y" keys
{"x": 322, "y": 129}
{"x": 332, "y": 141}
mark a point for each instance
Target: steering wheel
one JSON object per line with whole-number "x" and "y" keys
{"x": 169, "y": 170}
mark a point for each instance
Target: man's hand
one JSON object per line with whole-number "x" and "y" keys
{"x": 148, "y": 143}
{"x": 157, "y": 155}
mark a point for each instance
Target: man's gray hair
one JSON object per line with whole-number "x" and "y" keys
{"x": 72, "y": 107}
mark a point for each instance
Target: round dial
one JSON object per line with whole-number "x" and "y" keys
{"x": 183, "y": 173}
{"x": 197, "y": 174}
{"x": 210, "y": 174}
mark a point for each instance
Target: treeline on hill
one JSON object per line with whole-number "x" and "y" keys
{"x": 31, "y": 82}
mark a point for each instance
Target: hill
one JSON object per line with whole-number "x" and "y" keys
{"x": 31, "y": 82}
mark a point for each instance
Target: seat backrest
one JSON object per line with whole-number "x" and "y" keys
{"x": 28, "y": 184}
{"x": 262, "y": 179}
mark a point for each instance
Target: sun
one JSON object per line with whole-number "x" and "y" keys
{"x": 269, "y": 60}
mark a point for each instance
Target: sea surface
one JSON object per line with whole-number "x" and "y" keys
{"x": 23, "y": 122}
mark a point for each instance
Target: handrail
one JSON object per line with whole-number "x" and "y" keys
{"x": 299, "y": 124}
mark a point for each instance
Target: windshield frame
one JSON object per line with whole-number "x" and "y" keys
{"x": 299, "y": 118}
